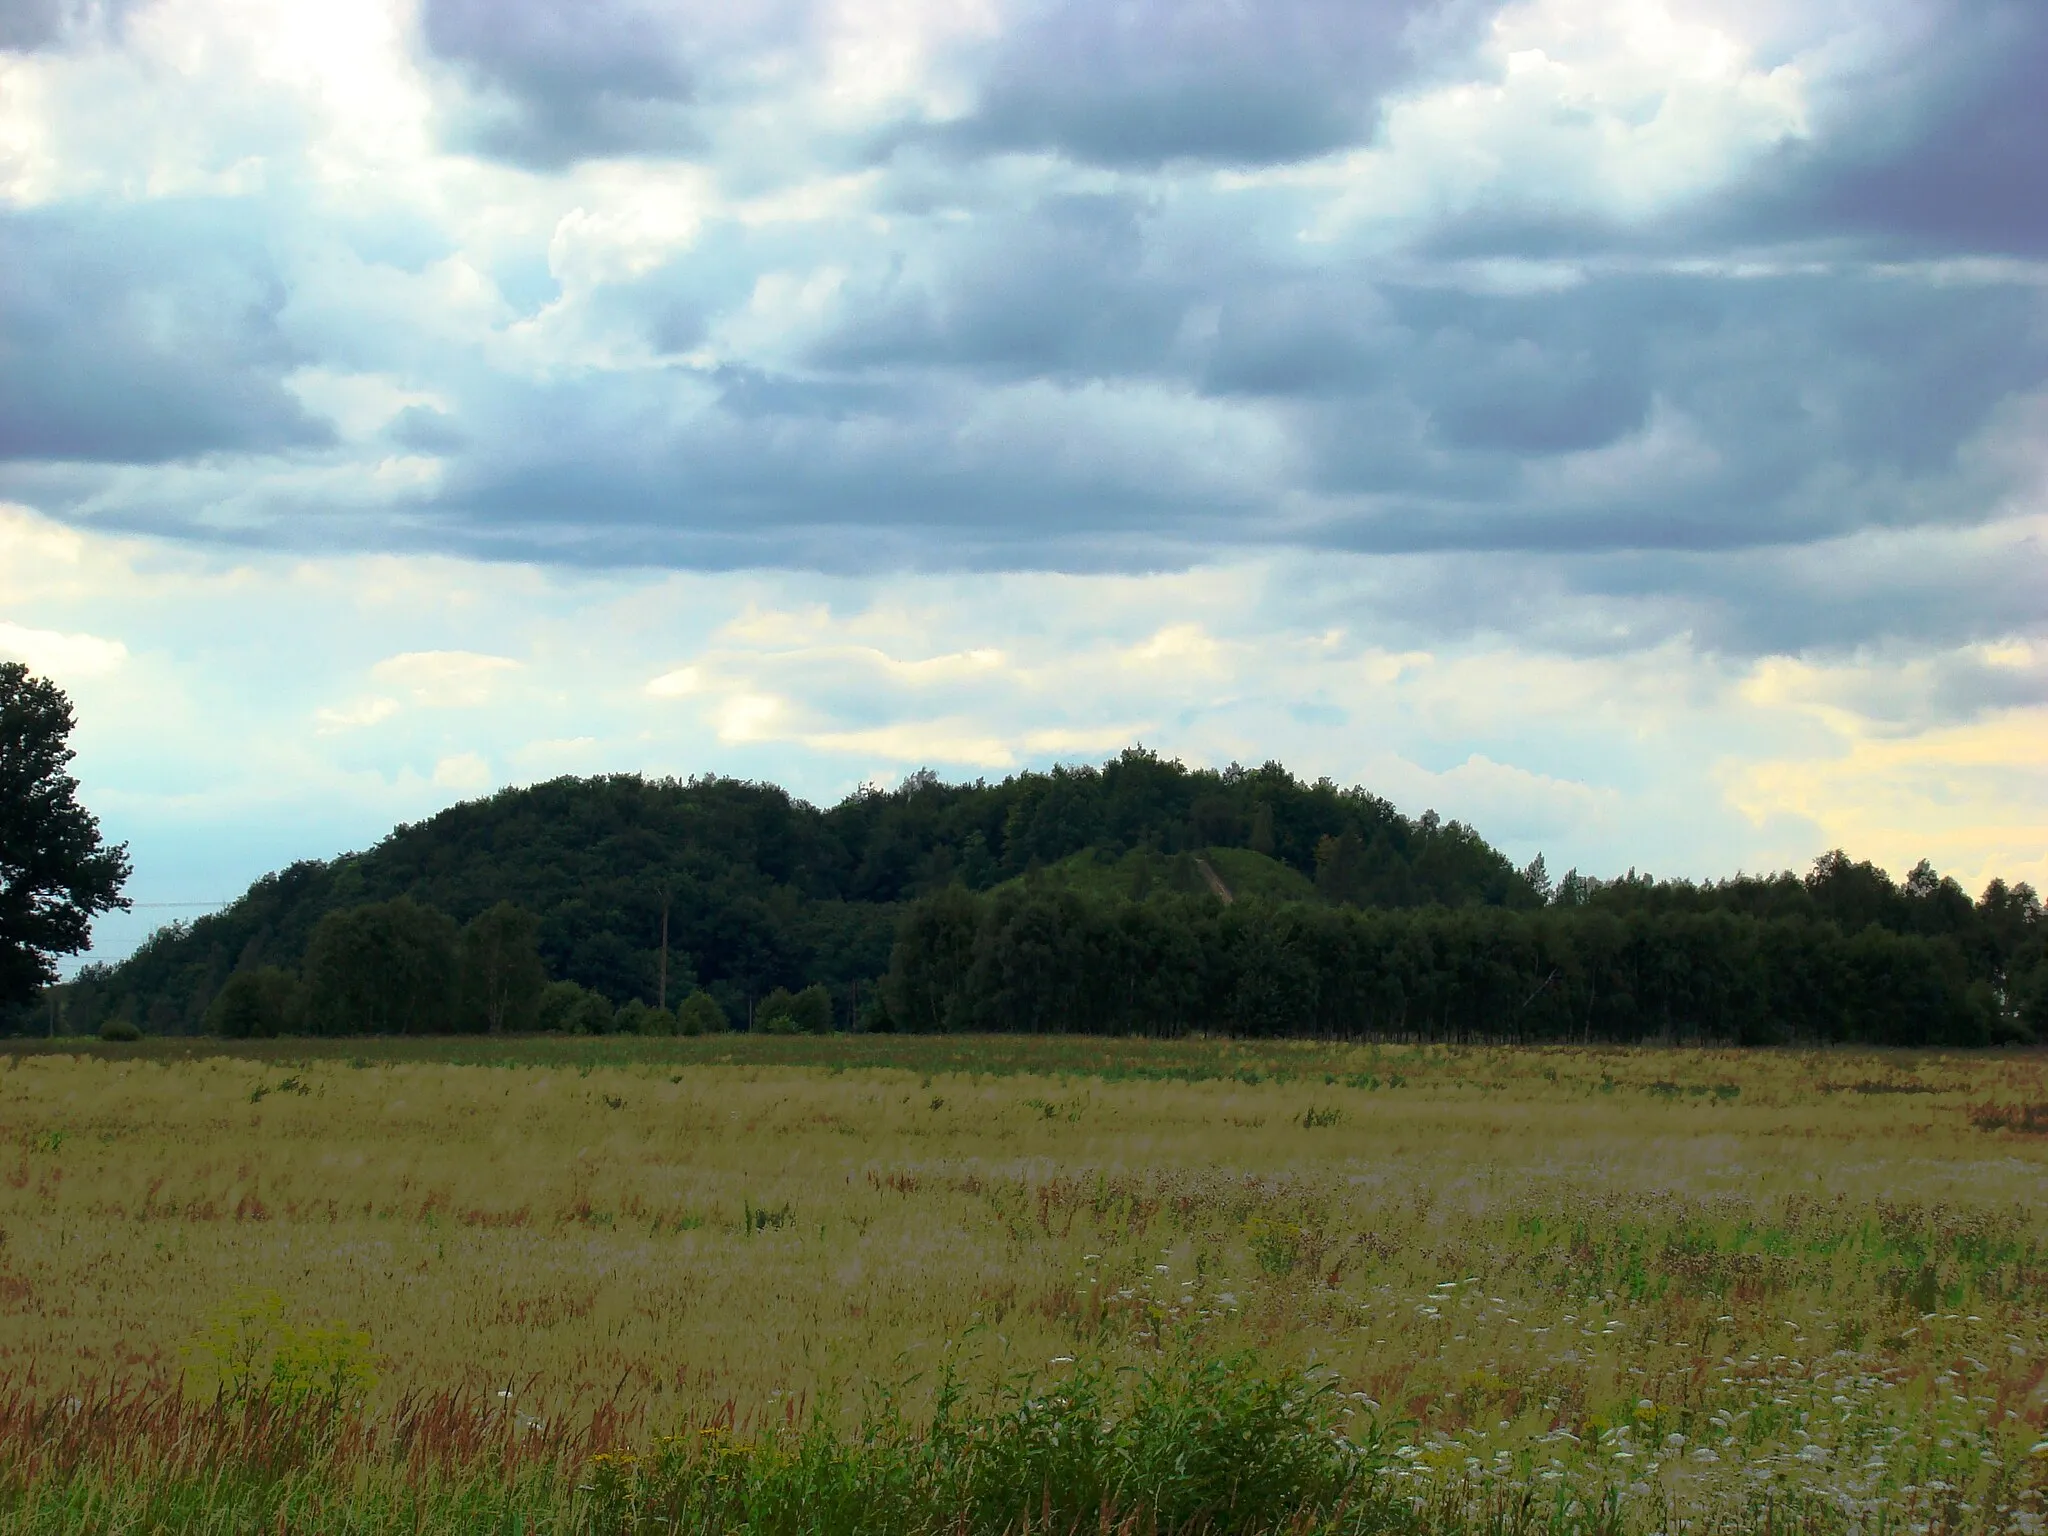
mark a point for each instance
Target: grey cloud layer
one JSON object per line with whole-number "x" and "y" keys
{"x": 1941, "y": 153}
{"x": 144, "y": 334}
{"x": 1122, "y": 85}
{"x": 1055, "y": 328}
{"x": 1795, "y": 408}
{"x": 1209, "y": 80}
{"x": 562, "y": 83}
{"x": 34, "y": 24}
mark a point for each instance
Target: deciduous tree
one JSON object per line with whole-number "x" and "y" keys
{"x": 56, "y": 873}
{"x": 385, "y": 968}
{"x": 502, "y": 977}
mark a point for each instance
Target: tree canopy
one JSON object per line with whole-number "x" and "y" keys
{"x": 1135, "y": 896}
{"x": 766, "y": 891}
{"x": 56, "y": 872}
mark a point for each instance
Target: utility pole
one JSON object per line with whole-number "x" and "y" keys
{"x": 661, "y": 996}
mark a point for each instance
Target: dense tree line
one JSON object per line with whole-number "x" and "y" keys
{"x": 1077, "y": 899}
{"x": 398, "y": 968}
{"x": 1043, "y": 959}
{"x": 758, "y": 891}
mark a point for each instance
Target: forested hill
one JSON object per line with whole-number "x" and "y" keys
{"x": 763, "y": 890}
{"x": 1138, "y": 896}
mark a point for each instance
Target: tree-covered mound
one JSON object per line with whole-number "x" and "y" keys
{"x": 1141, "y": 896}
{"x": 764, "y": 891}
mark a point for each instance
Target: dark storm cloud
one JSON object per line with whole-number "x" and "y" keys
{"x": 1534, "y": 375}
{"x": 1652, "y": 412}
{"x": 27, "y": 25}
{"x": 1763, "y": 409}
{"x": 1152, "y": 81}
{"x": 853, "y": 475}
{"x": 1066, "y": 286}
{"x": 1933, "y": 146}
{"x": 143, "y": 334}
{"x": 1759, "y": 409}
{"x": 1795, "y": 407}
{"x": 1128, "y": 85}
{"x": 1916, "y": 589}
{"x": 564, "y": 82}
{"x": 1656, "y": 417}
{"x": 1942, "y": 149}
{"x": 1299, "y": 335}
{"x": 858, "y": 336}
{"x": 426, "y": 430}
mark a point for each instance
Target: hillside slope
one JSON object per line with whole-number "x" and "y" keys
{"x": 764, "y": 890}
{"x": 1145, "y": 874}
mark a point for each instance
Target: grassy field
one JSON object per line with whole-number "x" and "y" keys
{"x": 975, "y": 1284}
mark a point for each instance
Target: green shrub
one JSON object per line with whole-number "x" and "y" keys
{"x": 592, "y": 1015}
{"x": 699, "y": 1014}
{"x": 247, "y": 1350}
{"x": 386, "y": 968}
{"x": 812, "y": 1010}
{"x": 257, "y": 1004}
{"x": 875, "y": 1018}
{"x": 772, "y": 1015}
{"x": 559, "y": 1001}
{"x": 808, "y": 1012}
{"x": 119, "y": 1029}
{"x": 500, "y": 979}
{"x": 2030, "y": 994}
{"x": 567, "y": 1008}
{"x": 638, "y": 1018}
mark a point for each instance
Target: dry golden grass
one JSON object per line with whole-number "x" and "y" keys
{"x": 1822, "y": 1266}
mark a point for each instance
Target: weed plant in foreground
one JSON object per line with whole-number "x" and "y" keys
{"x": 1309, "y": 1289}
{"x": 1184, "y": 1448}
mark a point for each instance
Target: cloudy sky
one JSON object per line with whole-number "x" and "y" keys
{"x": 1620, "y": 423}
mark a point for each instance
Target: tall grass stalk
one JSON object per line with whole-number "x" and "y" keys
{"x": 1552, "y": 1290}
{"x": 1196, "y": 1447}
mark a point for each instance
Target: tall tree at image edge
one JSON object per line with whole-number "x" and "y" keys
{"x": 56, "y": 873}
